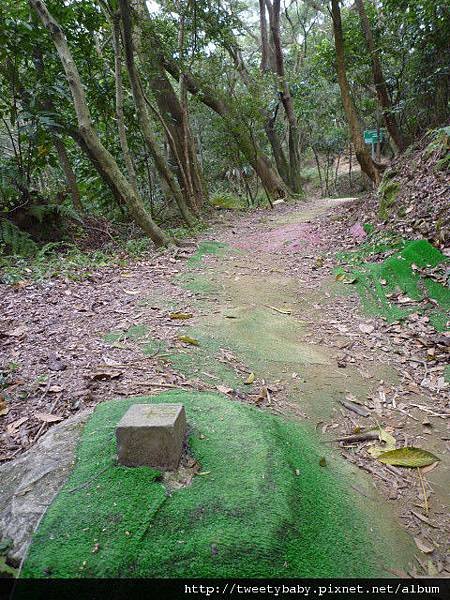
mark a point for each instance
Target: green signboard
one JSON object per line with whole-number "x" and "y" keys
{"x": 371, "y": 135}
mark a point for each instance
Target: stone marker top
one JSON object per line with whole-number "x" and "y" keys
{"x": 148, "y": 415}
{"x": 151, "y": 435}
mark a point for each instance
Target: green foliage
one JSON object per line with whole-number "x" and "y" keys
{"x": 226, "y": 200}
{"x": 15, "y": 241}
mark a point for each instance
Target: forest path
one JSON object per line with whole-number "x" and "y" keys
{"x": 264, "y": 298}
{"x": 272, "y": 327}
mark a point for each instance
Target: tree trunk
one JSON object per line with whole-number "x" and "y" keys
{"x": 378, "y": 78}
{"x": 269, "y": 125}
{"x": 173, "y": 111}
{"x": 361, "y": 150}
{"x": 115, "y": 25}
{"x": 140, "y": 102}
{"x": 272, "y": 182}
{"x": 265, "y": 49}
{"x": 286, "y": 99}
{"x": 277, "y": 148}
{"x": 69, "y": 174}
{"x": 88, "y": 133}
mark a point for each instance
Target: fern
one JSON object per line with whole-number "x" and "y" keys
{"x": 15, "y": 240}
{"x": 41, "y": 211}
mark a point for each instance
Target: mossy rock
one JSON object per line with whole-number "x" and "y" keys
{"x": 266, "y": 503}
{"x": 388, "y": 193}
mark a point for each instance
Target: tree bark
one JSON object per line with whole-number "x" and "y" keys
{"x": 69, "y": 174}
{"x": 286, "y": 100}
{"x": 115, "y": 25}
{"x": 272, "y": 182}
{"x": 140, "y": 102}
{"x": 265, "y": 49}
{"x": 88, "y": 133}
{"x": 361, "y": 151}
{"x": 269, "y": 124}
{"x": 379, "y": 81}
{"x": 173, "y": 111}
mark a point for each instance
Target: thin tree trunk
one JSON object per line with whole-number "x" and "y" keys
{"x": 318, "y": 169}
{"x": 115, "y": 24}
{"x": 265, "y": 49}
{"x": 378, "y": 78}
{"x": 361, "y": 151}
{"x": 350, "y": 165}
{"x": 69, "y": 174}
{"x": 286, "y": 99}
{"x": 173, "y": 111}
{"x": 272, "y": 182}
{"x": 88, "y": 133}
{"x": 269, "y": 125}
{"x": 144, "y": 120}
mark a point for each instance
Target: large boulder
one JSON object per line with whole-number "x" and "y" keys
{"x": 29, "y": 483}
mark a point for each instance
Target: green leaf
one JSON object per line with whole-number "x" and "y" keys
{"x": 408, "y": 457}
{"x": 188, "y": 340}
{"x": 180, "y": 316}
{"x": 250, "y": 379}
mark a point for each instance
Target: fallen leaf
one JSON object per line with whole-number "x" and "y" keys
{"x": 250, "y": 379}
{"x": 423, "y": 546}
{"x": 408, "y": 457}
{"x": 430, "y": 468}
{"x": 281, "y": 310}
{"x": 224, "y": 389}
{"x": 180, "y": 316}
{"x": 12, "y": 427}
{"x": 47, "y": 417}
{"x": 104, "y": 374}
{"x": 189, "y": 340}
{"x": 389, "y": 441}
{"x": 356, "y": 408}
{"x": 366, "y": 328}
{"x": 55, "y": 389}
{"x": 4, "y": 408}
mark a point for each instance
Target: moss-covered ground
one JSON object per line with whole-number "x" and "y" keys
{"x": 262, "y": 506}
{"x": 379, "y": 280}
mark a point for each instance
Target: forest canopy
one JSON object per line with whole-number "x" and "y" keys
{"x": 124, "y": 113}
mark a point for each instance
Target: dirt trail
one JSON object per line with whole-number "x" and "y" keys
{"x": 262, "y": 304}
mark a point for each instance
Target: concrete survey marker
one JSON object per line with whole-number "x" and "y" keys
{"x": 151, "y": 435}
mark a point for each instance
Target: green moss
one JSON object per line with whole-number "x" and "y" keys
{"x": 388, "y": 192}
{"x": 249, "y": 515}
{"x": 422, "y": 254}
{"x": 376, "y": 281}
{"x": 447, "y": 373}
{"x": 202, "y": 361}
{"x": 199, "y": 284}
{"x": 135, "y": 332}
{"x": 204, "y": 248}
{"x": 227, "y": 201}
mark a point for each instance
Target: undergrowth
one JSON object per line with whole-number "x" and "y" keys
{"x": 29, "y": 262}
